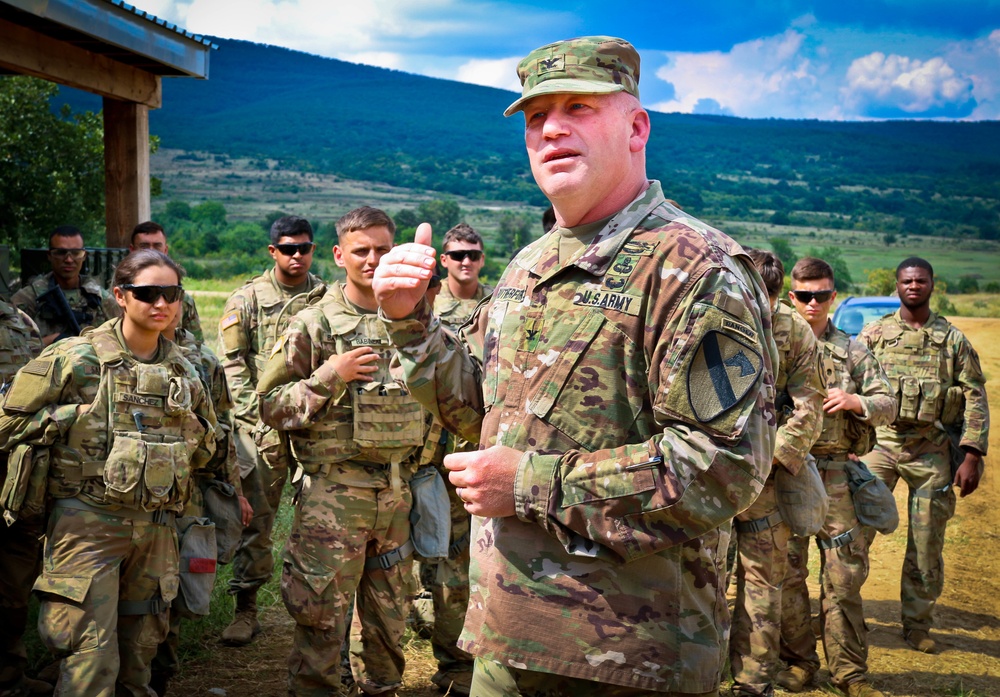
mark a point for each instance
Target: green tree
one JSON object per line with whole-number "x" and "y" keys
{"x": 51, "y": 165}
{"x": 442, "y": 214}
{"x": 880, "y": 282}
{"x": 515, "y": 232}
{"x": 209, "y": 214}
{"x": 783, "y": 249}
{"x": 841, "y": 273}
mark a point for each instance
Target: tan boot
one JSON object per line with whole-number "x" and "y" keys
{"x": 794, "y": 678}
{"x": 453, "y": 682}
{"x": 920, "y": 640}
{"x": 244, "y": 626}
{"x": 861, "y": 689}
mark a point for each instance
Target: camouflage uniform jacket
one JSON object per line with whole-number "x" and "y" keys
{"x": 303, "y": 394}
{"x": 454, "y": 312}
{"x": 942, "y": 368}
{"x": 190, "y": 321}
{"x": 19, "y": 342}
{"x": 637, "y": 378}
{"x": 93, "y": 306}
{"x": 799, "y": 382}
{"x": 81, "y": 403}
{"x": 223, "y": 465}
{"x": 251, "y": 323}
{"x": 851, "y": 367}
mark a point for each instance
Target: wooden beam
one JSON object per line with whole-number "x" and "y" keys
{"x": 23, "y": 50}
{"x": 126, "y": 169}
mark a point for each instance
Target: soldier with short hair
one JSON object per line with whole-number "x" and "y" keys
{"x": 151, "y": 235}
{"x": 254, "y": 317}
{"x": 619, "y": 380}
{"x": 761, "y": 533}
{"x": 64, "y": 302}
{"x": 938, "y": 439}
{"x": 20, "y": 538}
{"x": 353, "y": 430}
{"x": 858, "y": 400}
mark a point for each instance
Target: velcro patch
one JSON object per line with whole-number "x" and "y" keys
{"x": 724, "y": 369}
{"x": 201, "y": 565}
{"x": 367, "y": 341}
{"x": 509, "y": 295}
{"x": 609, "y": 300}
{"x": 740, "y": 328}
{"x": 551, "y": 64}
{"x": 37, "y": 367}
{"x": 230, "y": 320}
{"x": 278, "y": 345}
{"x": 139, "y": 399}
{"x": 638, "y": 248}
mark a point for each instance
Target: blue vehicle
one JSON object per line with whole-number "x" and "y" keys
{"x": 854, "y": 313}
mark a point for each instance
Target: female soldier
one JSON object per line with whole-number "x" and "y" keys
{"x": 120, "y": 418}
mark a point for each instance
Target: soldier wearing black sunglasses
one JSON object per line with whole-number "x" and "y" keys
{"x": 63, "y": 302}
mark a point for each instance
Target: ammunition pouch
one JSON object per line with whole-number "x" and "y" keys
{"x": 272, "y": 446}
{"x": 25, "y": 486}
{"x": 802, "y": 499}
{"x": 198, "y": 545}
{"x": 430, "y": 516}
{"x": 861, "y": 434}
{"x": 146, "y": 471}
{"x": 386, "y": 419}
{"x": 953, "y": 410}
{"x": 874, "y": 503}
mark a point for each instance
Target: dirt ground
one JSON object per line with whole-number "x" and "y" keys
{"x": 967, "y": 616}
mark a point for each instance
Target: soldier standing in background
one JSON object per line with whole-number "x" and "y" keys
{"x": 620, "y": 380}
{"x": 858, "y": 400}
{"x": 353, "y": 431}
{"x": 938, "y": 439}
{"x": 762, "y": 536}
{"x": 63, "y": 302}
{"x": 448, "y": 580}
{"x": 254, "y": 317}
{"x": 151, "y": 235}
{"x": 21, "y": 541}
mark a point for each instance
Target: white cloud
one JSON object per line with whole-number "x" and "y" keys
{"x": 773, "y": 76}
{"x": 500, "y": 72}
{"x": 878, "y": 84}
{"x": 980, "y": 61}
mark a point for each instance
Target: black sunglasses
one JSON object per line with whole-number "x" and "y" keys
{"x": 805, "y": 296}
{"x": 462, "y": 254}
{"x": 302, "y": 248}
{"x": 149, "y": 294}
{"x": 60, "y": 252}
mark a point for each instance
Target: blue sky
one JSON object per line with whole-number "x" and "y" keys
{"x": 826, "y": 59}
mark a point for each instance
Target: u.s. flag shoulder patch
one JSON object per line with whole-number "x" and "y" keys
{"x": 722, "y": 372}
{"x": 229, "y": 320}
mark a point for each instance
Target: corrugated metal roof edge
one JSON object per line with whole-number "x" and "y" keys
{"x": 163, "y": 23}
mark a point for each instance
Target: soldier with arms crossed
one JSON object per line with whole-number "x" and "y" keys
{"x": 254, "y": 317}
{"x": 620, "y": 380}
{"x": 858, "y": 399}
{"x": 63, "y": 302}
{"x": 353, "y": 430}
{"x": 940, "y": 388}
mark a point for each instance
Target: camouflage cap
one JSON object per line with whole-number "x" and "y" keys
{"x": 587, "y": 65}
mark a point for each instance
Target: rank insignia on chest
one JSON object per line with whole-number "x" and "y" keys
{"x": 724, "y": 369}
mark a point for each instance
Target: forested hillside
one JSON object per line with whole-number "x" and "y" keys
{"x": 324, "y": 115}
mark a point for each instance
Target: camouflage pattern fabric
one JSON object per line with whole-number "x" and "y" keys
{"x": 70, "y": 399}
{"x": 454, "y": 312}
{"x": 763, "y": 554}
{"x": 849, "y": 366}
{"x": 934, "y": 358}
{"x": 599, "y": 367}
{"x": 190, "y": 321}
{"x": 94, "y": 562}
{"x": 350, "y": 508}
{"x": 20, "y": 543}
{"x": 254, "y": 317}
{"x": 92, "y": 305}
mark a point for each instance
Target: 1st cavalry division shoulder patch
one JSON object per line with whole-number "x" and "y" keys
{"x": 724, "y": 369}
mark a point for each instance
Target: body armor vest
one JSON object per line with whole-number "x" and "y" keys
{"x": 274, "y": 310}
{"x": 15, "y": 343}
{"x": 383, "y": 425}
{"x": 842, "y": 432}
{"x": 918, "y": 364}
{"x": 134, "y": 445}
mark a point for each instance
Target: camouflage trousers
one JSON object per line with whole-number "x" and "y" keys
{"x": 338, "y": 526}
{"x": 20, "y": 562}
{"x": 843, "y": 571}
{"x": 760, "y": 571}
{"x": 253, "y": 561}
{"x": 925, "y": 468}
{"x": 105, "y": 590}
{"x": 448, "y": 583}
{"x": 492, "y": 679}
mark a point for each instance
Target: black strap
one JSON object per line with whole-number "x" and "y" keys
{"x": 153, "y": 606}
{"x": 459, "y": 545}
{"x": 390, "y": 558}
{"x": 759, "y": 524}
{"x": 844, "y": 538}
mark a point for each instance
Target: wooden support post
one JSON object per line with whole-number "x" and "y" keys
{"x": 126, "y": 164}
